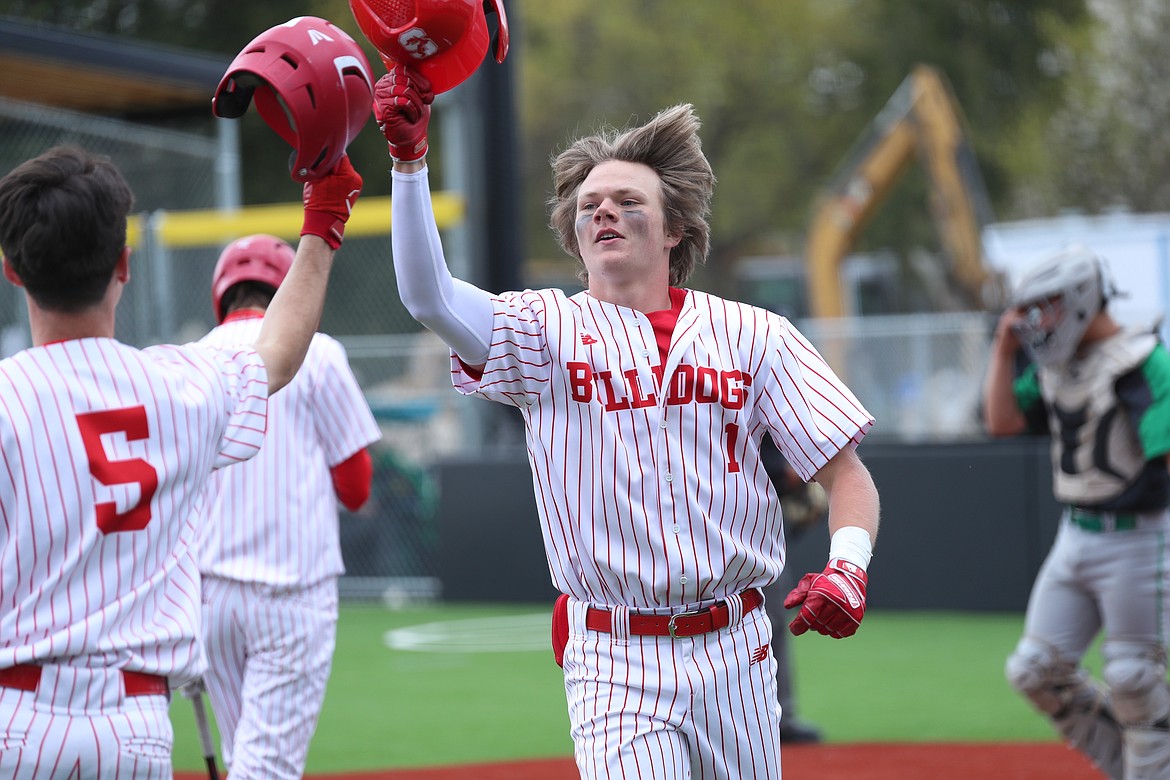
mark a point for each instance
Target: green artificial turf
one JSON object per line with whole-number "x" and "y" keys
{"x": 905, "y": 677}
{"x": 915, "y": 677}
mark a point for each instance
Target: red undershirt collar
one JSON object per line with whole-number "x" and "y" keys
{"x": 664, "y": 321}
{"x": 244, "y": 314}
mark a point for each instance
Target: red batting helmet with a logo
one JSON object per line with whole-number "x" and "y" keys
{"x": 257, "y": 258}
{"x": 313, "y": 86}
{"x": 444, "y": 40}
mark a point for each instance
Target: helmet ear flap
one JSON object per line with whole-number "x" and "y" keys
{"x": 355, "y": 85}
{"x": 499, "y": 42}
{"x": 233, "y": 100}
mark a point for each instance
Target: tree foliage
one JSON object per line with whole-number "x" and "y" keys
{"x": 1108, "y": 146}
{"x": 745, "y": 66}
{"x": 783, "y": 88}
{"x": 210, "y": 25}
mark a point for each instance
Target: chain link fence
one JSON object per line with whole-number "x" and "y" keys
{"x": 919, "y": 375}
{"x": 166, "y": 169}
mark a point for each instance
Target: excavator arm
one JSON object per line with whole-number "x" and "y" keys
{"x": 921, "y": 121}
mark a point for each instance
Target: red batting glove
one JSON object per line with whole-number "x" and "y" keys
{"x": 402, "y": 108}
{"x": 329, "y": 201}
{"x": 831, "y": 602}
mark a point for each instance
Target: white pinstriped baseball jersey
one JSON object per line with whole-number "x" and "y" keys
{"x": 105, "y": 452}
{"x": 648, "y": 492}
{"x": 255, "y": 529}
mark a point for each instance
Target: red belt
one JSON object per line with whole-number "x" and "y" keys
{"x": 682, "y": 624}
{"x": 26, "y": 677}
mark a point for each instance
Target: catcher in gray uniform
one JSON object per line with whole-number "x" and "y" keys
{"x": 1103, "y": 393}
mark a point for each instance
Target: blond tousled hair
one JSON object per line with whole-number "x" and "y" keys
{"x": 669, "y": 144}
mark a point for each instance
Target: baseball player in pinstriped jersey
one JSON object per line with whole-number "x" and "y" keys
{"x": 644, "y": 406}
{"x": 269, "y": 549}
{"x": 105, "y": 451}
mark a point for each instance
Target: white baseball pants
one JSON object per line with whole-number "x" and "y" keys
{"x": 79, "y": 725}
{"x": 657, "y": 708}
{"x": 269, "y": 652}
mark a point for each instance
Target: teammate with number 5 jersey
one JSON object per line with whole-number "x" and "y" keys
{"x": 105, "y": 450}
{"x": 645, "y": 404}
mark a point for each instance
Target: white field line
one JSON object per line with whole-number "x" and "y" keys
{"x": 505, "y": 634}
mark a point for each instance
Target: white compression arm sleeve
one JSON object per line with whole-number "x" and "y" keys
{"x": 459, "y": 313}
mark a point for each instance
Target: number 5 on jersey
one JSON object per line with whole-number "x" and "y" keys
{"x": 133, "y": 423}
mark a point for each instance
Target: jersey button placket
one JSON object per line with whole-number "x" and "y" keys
{"x": 667, "y": 476}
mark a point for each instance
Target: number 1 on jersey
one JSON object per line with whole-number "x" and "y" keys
{"x": 731, "y": 431}
{"x": 131, "y": 421}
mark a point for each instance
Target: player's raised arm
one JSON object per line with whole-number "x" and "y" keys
{"x": 456, "y": 311}
{"x": 295, "y": 312}
{"x": 1001, "y": 412}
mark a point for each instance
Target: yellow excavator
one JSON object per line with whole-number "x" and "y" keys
{"x": 923, "y": 121}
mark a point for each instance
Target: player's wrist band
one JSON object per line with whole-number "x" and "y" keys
{"x": 325, "y": 225}
{"x": 852, "y": 543}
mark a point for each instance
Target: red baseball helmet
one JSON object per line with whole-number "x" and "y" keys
{"x": 258, "y": 258}
{"x": 313, "y": 86}
{"x": 444, "y": 40}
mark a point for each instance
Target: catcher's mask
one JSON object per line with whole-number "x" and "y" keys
{"x": 313, "y": 86}
{"x": 1059, "y": 297}
{"x": 444, "y": 40}
{"x": 257, "y": 258}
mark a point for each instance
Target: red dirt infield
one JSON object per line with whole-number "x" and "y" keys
{"x": 878, "y": 761}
